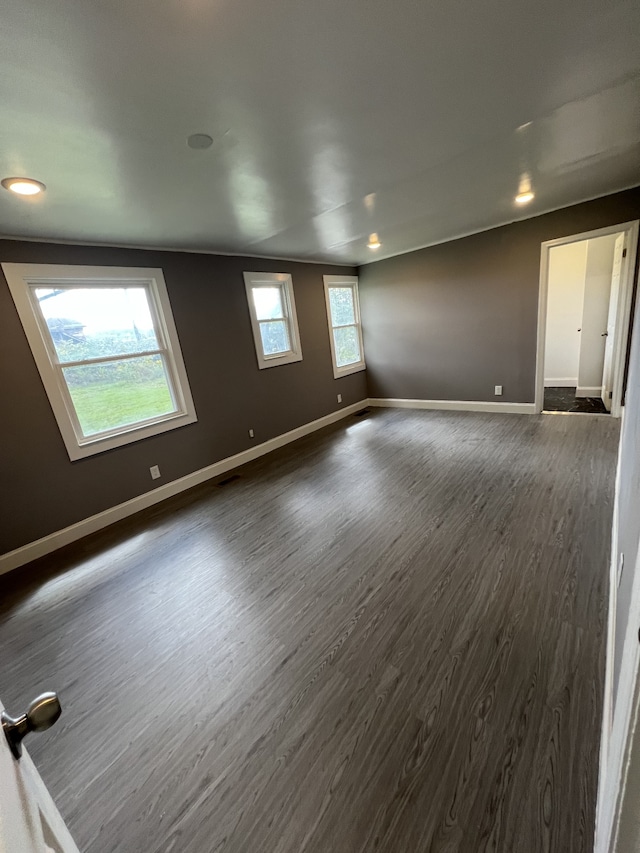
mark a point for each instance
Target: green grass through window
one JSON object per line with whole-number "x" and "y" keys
{"x": 103, "y": 406}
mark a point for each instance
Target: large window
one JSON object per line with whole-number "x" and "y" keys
{"x": 345, "y": 332}
{"x": 273, "y": 318}
{"x": 106, "y": 346}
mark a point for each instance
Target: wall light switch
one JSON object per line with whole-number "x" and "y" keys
{"x": 339, "y": 398}
{"x": 155, "y": 472}
{"x": 250, "y": 433}
{"x": 498, "y": 391}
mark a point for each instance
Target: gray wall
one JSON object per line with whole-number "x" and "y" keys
{"x": 447, "y": 322}
{"x": 42, "y": 491}
{"x": 452, "y": 321}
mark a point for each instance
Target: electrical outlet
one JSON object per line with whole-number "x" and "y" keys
{"x": 498, "y": 391}
{"x": 155, "y": 472}
{"x": 250, "y": 433}
{"x": 339, "y": 398}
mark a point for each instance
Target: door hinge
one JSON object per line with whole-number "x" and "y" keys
{"x": 610, "y": 394}
{"x": 624, "y": 253}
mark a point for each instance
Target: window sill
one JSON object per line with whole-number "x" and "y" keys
{"x": 129, "y": 435}
{"x": 288, "y": 358}
{"x": 339, "y": 372}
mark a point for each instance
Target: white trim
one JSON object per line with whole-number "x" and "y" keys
{"x": 33, "y": 550}
{"x": 454, "y": 405}
{"x": 608, "y": 697}
{"x": 576, "y": 414}
{"x": 350, "y": 281}
{"x": 588, "y": 391}
{"x": 561, "y": 383}
{"x": 623, "y": 318}
{"x": 284, "y": 282}
{"x": 22, "y": 278}
{"x": 613, "y": 777}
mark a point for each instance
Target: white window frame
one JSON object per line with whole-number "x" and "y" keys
{"x": 350, "y": 281}
{"x": 253, "y": 280}
{"x": 23, "y": 279}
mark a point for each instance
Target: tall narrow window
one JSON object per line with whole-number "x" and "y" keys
{"x": 105, "y": 344}
{"x": 345, "y": 331}
{"x": 273, "y": 318}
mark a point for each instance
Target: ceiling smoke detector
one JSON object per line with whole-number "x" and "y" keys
{"x": 199, "y": 141}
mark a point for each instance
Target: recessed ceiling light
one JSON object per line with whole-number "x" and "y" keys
{"x": 23, "y": 186}
{"x": 524, "y": 198}
{"x": 374, "y": 242}
{"x": 525, "y": 190}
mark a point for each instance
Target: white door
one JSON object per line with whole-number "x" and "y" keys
{"x": 607, "y": 374}
{"x": 29, "y": 820}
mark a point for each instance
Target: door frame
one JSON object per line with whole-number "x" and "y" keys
{"x": 623, "y": 317}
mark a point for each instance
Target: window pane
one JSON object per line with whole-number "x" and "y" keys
{"x": 347, "y": 345}
{"x": 119, "y": 393}
{"x": 275, "y": 337}
{"x": 93, "y": 322}
{"x": 342, "y": 309}
{"x": 268, "y": 302}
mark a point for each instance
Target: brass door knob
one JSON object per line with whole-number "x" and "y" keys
{"x": 41, "y": 714}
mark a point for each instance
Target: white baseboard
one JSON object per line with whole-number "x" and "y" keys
{"x": 588, "y": 391}
{"x": 33, "y": 550}
{"x": 561, "y": 383}
{"x": 455, "y": 405}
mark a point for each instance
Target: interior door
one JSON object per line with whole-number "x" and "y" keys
{"x": 607, "y": 373}
{"x": 29, "y": 820}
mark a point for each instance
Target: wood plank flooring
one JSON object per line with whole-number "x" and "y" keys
{"x": 388, "y": 636}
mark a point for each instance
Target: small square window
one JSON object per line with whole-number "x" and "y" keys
{"x": 273, "y": 318}
{"x": 106, "y": 347}
{"x": 345, "y": 330}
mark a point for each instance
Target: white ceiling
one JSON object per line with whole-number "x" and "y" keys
{"x": 435, "y": 106}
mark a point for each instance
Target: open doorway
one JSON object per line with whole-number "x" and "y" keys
{"x": 583, "y": 322}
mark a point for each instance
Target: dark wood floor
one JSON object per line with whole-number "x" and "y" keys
{"x": 388, "y": 636}
{"x": 565, "y": 400}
